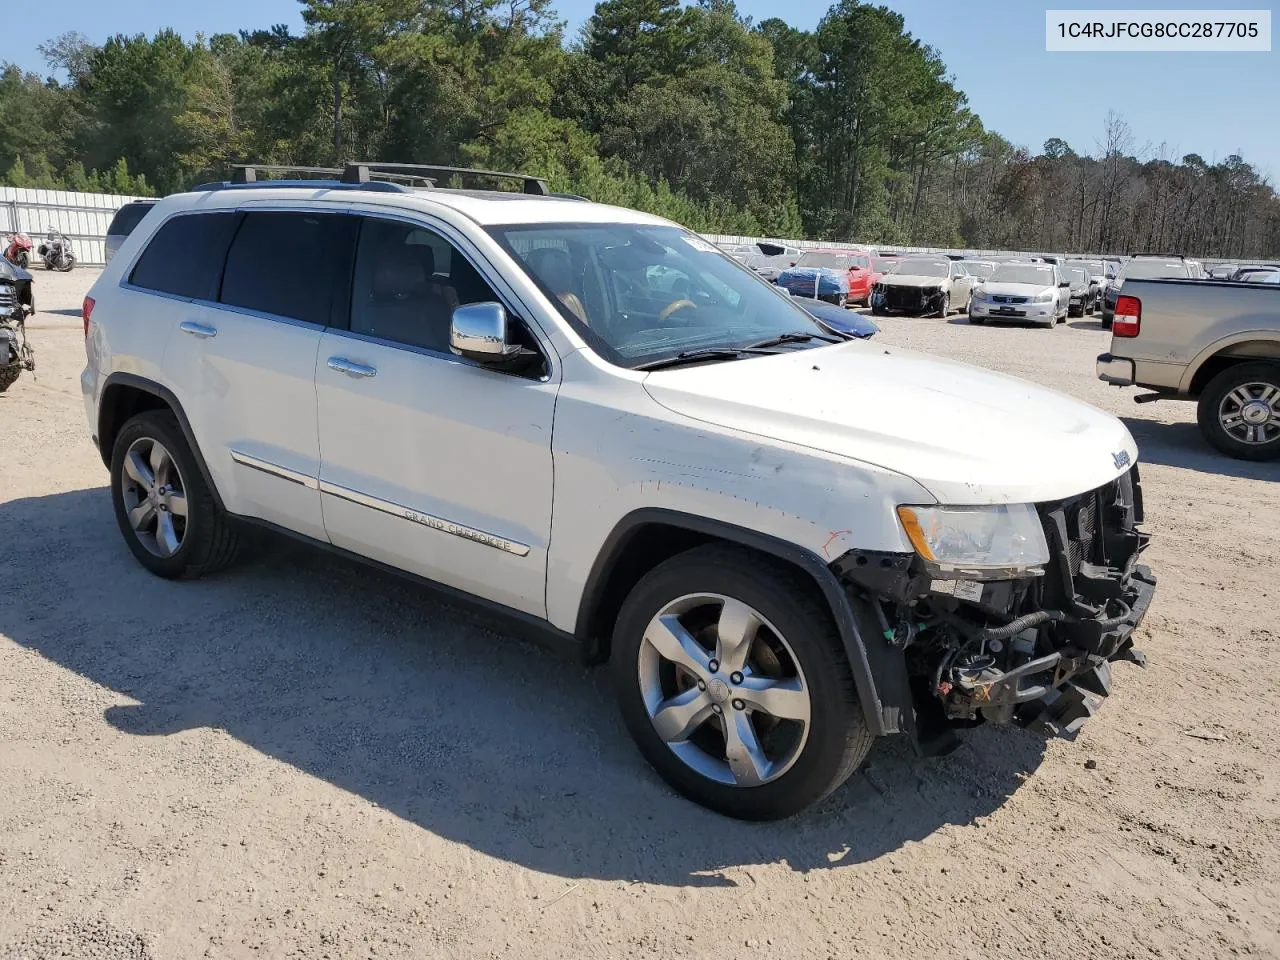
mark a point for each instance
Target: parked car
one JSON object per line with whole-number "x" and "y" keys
{"x": 1222, "y": 271}
{"x": 1211, "y": 341}
{"x": 1101, "y": 275}
{"x": 1254, "y": 274}
{"x": 980, "y": 270}
{"x": 784, "y": 544}
{"x": 1076, "y": 273}
{"x": 1036, "y": 292}
{"x": 772, "y": 258}
{"x": 811, "y": 273}
{"x": 923, "y": 285}
{"x": 123, "y": 224}
{"x": 1142, "y": 268}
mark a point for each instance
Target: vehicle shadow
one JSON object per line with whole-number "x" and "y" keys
{"x": 377, "y": 687}
{"x": 1181, "y": 445}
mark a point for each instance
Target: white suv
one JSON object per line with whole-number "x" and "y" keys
{"x": 591, "y": 420}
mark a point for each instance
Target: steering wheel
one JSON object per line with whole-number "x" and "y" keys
{"x": 673, "y": 306}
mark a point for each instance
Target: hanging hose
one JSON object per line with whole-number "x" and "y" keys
{"x": 1025, "y": 622}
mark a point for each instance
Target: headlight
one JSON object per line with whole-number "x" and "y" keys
{"x": 987, "y": 540}
{"x": 1044, "y": 298}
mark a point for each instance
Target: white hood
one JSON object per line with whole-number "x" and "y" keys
{"x": 966, "y": 434}
{"x": 1006, "y": 289}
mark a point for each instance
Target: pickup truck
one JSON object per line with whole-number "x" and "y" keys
{"x": 1212, "y": 341}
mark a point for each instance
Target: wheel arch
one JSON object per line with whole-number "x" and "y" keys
{"x": 1221, "y": 355}
{"x": 650, "y": 535}
{"x": 124, "y": 395}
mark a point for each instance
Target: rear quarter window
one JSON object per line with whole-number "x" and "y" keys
{"x": 184, "y": 257}
{"x": 128, "y": 217}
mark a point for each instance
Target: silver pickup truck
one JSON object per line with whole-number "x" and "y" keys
{"x": 1206, "y": 340}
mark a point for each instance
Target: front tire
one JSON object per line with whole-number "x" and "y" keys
{"x": 731, "y": 678}
{"x": 23, "y": 260}
{"x": 1239, "y": 411}
{"x": 946, "y": 306}
{"x": 165, "y": 510}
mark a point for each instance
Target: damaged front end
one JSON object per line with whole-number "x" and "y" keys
{"x": 954, "y": 650}
{"x": 907, "y": 298}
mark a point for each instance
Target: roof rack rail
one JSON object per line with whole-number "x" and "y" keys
{"x": 1147, "y": 253}
{"x": 248, "y": 173}
{"x": 361, "y": 173}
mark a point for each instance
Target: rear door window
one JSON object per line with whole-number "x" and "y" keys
{"x": 185, "y": 256}
{"x": 294, "y": 265}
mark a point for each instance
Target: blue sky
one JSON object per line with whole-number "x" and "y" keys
{"x": 1213, "y": 104}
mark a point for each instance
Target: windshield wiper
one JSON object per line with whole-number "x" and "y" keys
{"x": 797, "y": 337}
{"x": 697, "y": 356}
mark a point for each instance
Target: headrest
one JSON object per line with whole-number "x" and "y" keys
{"x": 400, "y": 274}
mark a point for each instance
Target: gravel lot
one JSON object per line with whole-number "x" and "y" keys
{"x": 302, "y": 758}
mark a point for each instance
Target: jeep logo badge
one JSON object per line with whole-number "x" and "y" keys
{"x": 1121, "y": 459}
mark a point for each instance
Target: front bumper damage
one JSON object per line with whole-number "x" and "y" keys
{"x": 907, "y": 299}
{"x": 1035, "y": 650}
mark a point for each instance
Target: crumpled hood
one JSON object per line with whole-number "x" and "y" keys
{"x": 1006, "y": 289}
{"x": 966, "y": 434}
{"x": 911, "y": 280}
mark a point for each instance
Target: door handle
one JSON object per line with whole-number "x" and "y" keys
{"x": 198, "y": 330}
{"x": 350, "y": 368}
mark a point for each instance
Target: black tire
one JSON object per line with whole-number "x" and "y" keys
{"x": 877, "y": 310}
{"x": 209, "y": 542}
{"x": 9, "y": 376}
{"x": 23, "y": 260}
{"x": 946, "y": 306}
{"x": 1211, "y": 398}
{"x": 838, "y": 738}
{"x": 977, "y": 321}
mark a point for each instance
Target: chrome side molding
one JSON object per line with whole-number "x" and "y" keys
{"x": 425, "y": 519}
{"x": 275, "y": 470}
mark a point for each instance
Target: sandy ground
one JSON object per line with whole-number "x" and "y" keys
{"x": 301, "y": 758}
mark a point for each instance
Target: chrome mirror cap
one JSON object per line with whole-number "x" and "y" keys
{"x": 478, "y": 331}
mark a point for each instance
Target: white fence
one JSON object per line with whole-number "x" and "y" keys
{"x": 84, "y": 217}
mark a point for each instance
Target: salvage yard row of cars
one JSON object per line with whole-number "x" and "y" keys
{"x": 1183, "y": 330}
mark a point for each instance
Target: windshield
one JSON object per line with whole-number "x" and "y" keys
{"x": 835, "y": 261}
{"x": 980, "y": 270}
{"x": 1078, "y": 275}
{"x": 639, "y": 293}
{"x": 1040, "y": 276}
{"x": 923, "y": 268}
{"x": 1155, "y": 270}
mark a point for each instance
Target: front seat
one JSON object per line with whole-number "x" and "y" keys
{"x": 554, "y": 268}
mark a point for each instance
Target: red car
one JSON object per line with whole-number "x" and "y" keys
{"x": 859, "y": 264}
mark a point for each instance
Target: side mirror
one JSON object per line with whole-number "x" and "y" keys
{"x": 478, "y": 331}
{"x": 1065, "y": 283}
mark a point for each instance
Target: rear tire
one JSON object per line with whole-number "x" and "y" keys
{"x": 198, "y": 540}
{"x": 795, "y": 644}
{"x": 1224, "y": 402}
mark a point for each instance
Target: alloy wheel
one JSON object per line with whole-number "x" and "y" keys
{"x": 724, "y": 690}
{"x": 155, "y": 499}
{"x": 1250, "y": 412}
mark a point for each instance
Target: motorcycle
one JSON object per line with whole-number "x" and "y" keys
{"x": 19, "y": 250}
{"x": 16, "y": 304}
{"x": 56, "y": 251}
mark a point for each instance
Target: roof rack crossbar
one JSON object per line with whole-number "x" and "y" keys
{"x": 248, "y": 173}
{"x": 361, "y": 172}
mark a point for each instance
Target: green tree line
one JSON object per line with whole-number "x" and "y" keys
{"x": 851, "y": 131}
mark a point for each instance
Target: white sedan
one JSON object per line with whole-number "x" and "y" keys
{"x": 1037, "y": 292}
